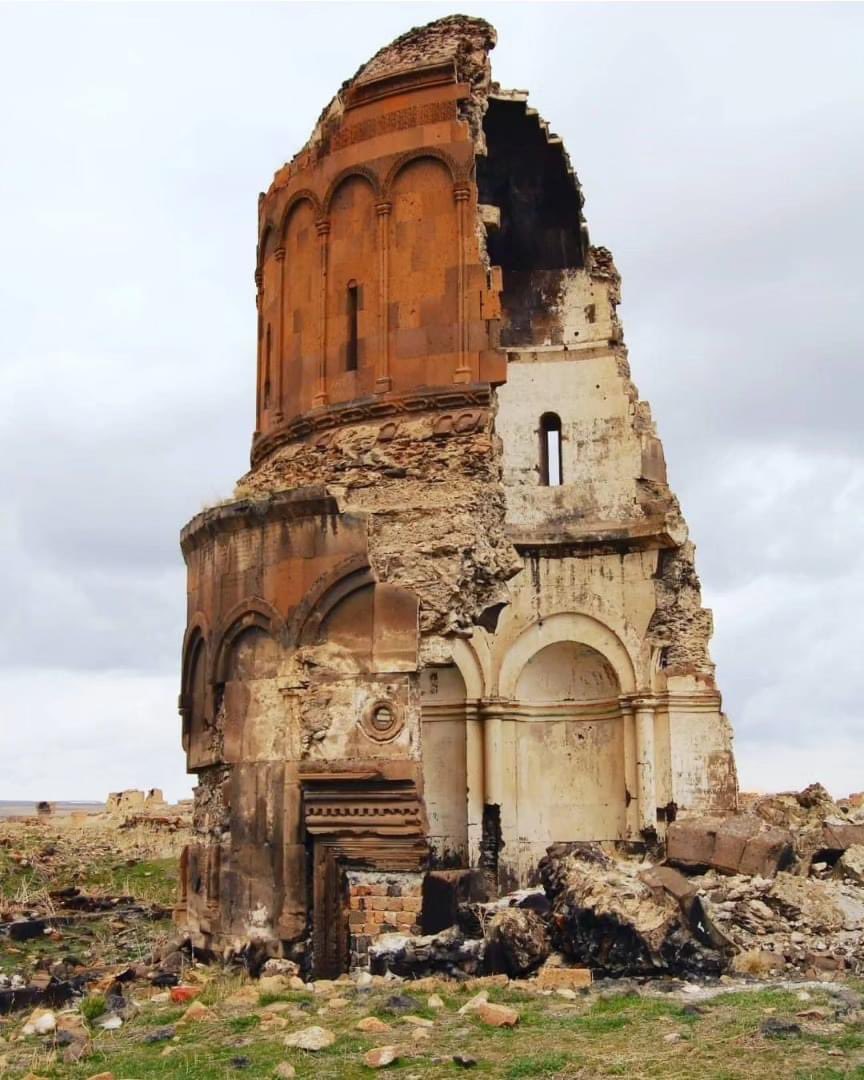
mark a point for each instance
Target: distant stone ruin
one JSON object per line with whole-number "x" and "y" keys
{"x": 451, "y": 616}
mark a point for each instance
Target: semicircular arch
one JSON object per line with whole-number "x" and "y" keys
{"x": 361, "y": 171}
{"x": 566, "y": 626}
{"x": 253, "y": 612}
{"x": 412, "y": 156}
{"x": 301, "y": 196}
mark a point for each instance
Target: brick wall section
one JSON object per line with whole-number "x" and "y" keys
{"x": 381, "y": 904}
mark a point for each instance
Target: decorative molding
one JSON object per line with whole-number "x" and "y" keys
{"x": 379, "y": 730}
{"x": 439, "y": 73}
{"x": 466, "y": 396}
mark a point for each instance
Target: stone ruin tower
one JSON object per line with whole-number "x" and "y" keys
{"x": 451, "y": 615}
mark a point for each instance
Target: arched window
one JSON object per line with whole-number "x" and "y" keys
{"x": 551, "y": 470}
{"x": 353, "y": 308}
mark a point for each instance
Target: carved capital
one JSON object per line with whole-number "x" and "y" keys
{"x": 279, "y": 254}
{"x": 383, "y": 209}
{"x": 322, "y": 228}
{"x": 461, "y": 192}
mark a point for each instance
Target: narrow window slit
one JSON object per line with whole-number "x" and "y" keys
{"x": 353, "y": 307}
{"x": 551, "y": 466}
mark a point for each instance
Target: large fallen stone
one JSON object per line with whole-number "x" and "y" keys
{"x": 517, "y": 942}
{"x": 738, "y": 844}
{"x": 605, "y": 918}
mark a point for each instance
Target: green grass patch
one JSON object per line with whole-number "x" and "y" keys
{"x": 537, "y": 1065}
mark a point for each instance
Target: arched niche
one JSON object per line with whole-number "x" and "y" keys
{"x": 375, "y": 626}
{"x": 445, "y": 765}
{"x": 564, "y": 678}
{"x": 248, "y": 701}
{"x": 252, "y": 654}
{"x": 301, "y": 305}
{"x": 195, "y": 699}
{"x": 566, "y": 627}
{"x": 567, "y": 671}
{"x": 352, "y": 288}
{"x": 423, "y": 281}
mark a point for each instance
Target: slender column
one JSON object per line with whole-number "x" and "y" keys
{"x": 383, "y": 381}
{"x": 320, "y": 398}
{"x": 630, "y": 781}
{"x": 645, "y": 777}
{"x": 461, "y": 193}
{"x": 492, "y": 745}
{"x": 474, "y": 776}
{"x": 279, "y": 254}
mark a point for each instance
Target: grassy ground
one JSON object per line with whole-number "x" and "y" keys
{"x": 37, "y": 859}
{"x": 591, "y": 1037}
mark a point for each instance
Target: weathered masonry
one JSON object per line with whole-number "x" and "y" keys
{"x": 451, "y": 615}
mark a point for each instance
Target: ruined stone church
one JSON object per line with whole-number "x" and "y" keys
{"x": 451, "y": 615}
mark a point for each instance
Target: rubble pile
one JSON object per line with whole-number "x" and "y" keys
{"x": 778, "y": 888}
{"x": 447, "y": 953}
{"x": 620, "y": 918}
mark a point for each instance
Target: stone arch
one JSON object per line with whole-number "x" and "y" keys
{"x": 471, "y": 669}
{"x": 566, "y": 627}
{"x": 196, "y": 699}
{"x": 411, "y": 156}
{"x": 253, "y": 612}
{"x": 324, "y": 594}
{"x": 303, "y": 195}
{"x": 352, "y": 170}
{"x": 265, "y": 237}
{"x": 197, "y": 630}
{"x": 568, "y": 671}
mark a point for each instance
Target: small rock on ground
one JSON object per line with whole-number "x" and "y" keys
{"x": 381, "y": 1056}
{"x": 371, "y": 1024}
{"x": 311, "y": 1038}
{"x": 497, "y": 1015}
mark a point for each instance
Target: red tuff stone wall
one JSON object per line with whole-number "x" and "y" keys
{"x": 385, "y": 204}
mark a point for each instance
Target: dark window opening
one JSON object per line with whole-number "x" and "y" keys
{"x": 353, "y": 308}
{"x": 551, "y": 465}
{"x": 267, "y": 369}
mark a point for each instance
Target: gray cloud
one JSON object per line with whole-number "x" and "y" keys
{"x": 720, "y": 151}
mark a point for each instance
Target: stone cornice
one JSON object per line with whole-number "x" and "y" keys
{"x": 369, "y": 410}
{"x": 593, "y": 538}
{"x": 239, "y": 514}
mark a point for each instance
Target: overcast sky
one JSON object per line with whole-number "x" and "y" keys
{"x": 720, "y": 149}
